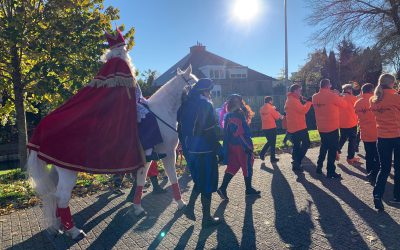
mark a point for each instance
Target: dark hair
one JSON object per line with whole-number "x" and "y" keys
{"x": 294, "y": 87}
{"x": 244, "y": 108}
{"x": 324, "y": 83}
{"x": 267, "y": 99}
{"x": 367, "y": 88}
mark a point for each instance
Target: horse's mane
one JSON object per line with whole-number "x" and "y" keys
{"x": 165, "y": 91}
{"x": 170, "y": 92}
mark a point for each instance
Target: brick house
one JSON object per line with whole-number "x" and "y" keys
{"x": 229, "y": 77}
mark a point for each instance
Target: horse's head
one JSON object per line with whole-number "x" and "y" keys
{"x": 171, "y": 93}
{"x": 187, "y": 77}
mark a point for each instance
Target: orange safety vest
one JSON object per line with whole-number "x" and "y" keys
{"x": 326, "y": 105}
{"x": 348, "y": 116}
{"x": 269, "y": 115}
{"x": 366, "y": 119}
{"x": 296, "y": 113}
{"x": 387, "y": 114}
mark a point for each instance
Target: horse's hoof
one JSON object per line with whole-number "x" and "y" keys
{"x": 181, "y": 204}
{"x": 54, "y": 232}
{"x": 56, "y": 227}
{"x": 138, "y": 210}
{"x": 75, "y": 233}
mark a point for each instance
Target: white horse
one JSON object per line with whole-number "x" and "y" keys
{"x": 54, "y": 185}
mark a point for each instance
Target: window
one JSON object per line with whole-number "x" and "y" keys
{"x": 217, "y": 74}
{"x": 238, "y": 76}
{"x": 216, "y": 93}
{"x": 238, "y": 73}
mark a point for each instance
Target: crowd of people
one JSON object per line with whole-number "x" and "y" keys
{"x": 375, "y": 113}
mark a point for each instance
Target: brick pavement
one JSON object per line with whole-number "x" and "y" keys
{"x": 296, "y": 211}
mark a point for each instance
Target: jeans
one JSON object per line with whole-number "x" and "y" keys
{"x": 329, "y": 144}
{"x": 386, "y": 148}
{"x": 372, "y": 159}
{"x": 270, "y": 134}
{"x": 301, "y": 144}
{"x": 351, "y": 135}
{"x": 287, "y": 138}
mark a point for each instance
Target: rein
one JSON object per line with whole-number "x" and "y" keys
{"x": 157, "y": 117}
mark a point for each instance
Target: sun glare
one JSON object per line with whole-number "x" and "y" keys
{"x": 246, "y": 10}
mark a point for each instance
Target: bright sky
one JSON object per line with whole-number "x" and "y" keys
{"x": 249, "y": 35}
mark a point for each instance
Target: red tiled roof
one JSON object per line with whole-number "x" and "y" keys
{"x": 199, "y": 57}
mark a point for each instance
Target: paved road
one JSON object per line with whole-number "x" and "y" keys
{"x": 296, "y": 211}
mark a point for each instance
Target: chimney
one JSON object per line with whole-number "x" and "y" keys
{"x": 199, "y": 47}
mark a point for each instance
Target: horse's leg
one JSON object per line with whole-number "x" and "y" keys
{"x": 66, "y": 182}
{"x": 45, "y": 184}
{"x": 140, "y": 180}
{"x": 169, "y": 165}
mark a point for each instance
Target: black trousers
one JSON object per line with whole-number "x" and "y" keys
{"x": 270, "y": 134}
{"x": 287, "y": 137}
{"x": 349, "y": 134}
{"x": 329, "y": 144}
{"x": 387, "y": 147}
{"x": 372, "y": 159}
{"x": 301, "y": 144}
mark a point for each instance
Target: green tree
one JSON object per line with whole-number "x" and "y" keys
{"x": 311, "y": 72}
{"x": 325, "y": 65}
{"x": 49, "y": 49}
{"x": 371, "y": 62}
{"x": 338, "y": 19}
{"x": 347, "y": 61}
{"x": 146, "y": 81}
{"x": 333, "y": 74}
{"x": 376, "y": 20}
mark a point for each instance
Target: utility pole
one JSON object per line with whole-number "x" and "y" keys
{"x": 286, "y": 48}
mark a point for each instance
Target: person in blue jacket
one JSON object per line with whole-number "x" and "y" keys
{"x": 197, "y": 132}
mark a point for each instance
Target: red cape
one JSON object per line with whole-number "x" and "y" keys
{"x": 96, "y": 130}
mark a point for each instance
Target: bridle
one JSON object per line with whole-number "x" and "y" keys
{"x": 188, "y": 84}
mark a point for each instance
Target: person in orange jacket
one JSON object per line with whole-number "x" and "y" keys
{"x": 385, "y": 104}
{"x": 368, "y": 132}
{"x": 269, "y": 116}
{"x": 287, "y": 134}
{"x": 348, "y": 124}
{"x": 296, "y": 124}
{"x": 326, "y": 105}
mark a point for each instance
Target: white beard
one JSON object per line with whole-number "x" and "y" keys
{"x": 122, "y": 53}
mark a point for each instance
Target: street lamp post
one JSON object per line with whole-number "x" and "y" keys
{"x": 286, "y": 47}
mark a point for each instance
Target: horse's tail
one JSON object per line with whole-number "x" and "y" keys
{"x": 44, "y": 180}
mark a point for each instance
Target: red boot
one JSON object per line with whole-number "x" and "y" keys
{"x": 69, "y": 227}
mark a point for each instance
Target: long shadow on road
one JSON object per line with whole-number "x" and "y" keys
{"x": 87, "y": 217}
{"x": 381, "y": 223}
{"x": 62, "y": 242}
{"x": 336, "y": 225}
{"x": 123, "y": 221}
{"x": 226, "y": 238}
{"x": 388, "y": 195}
{"x": 248, "y": 231}
{"x": 293, "y": 227}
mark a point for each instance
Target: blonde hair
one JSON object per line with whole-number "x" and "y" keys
{"x": 384, "y": 83}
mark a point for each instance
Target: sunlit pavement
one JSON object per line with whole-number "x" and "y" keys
{"x": 296, "y": 211}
